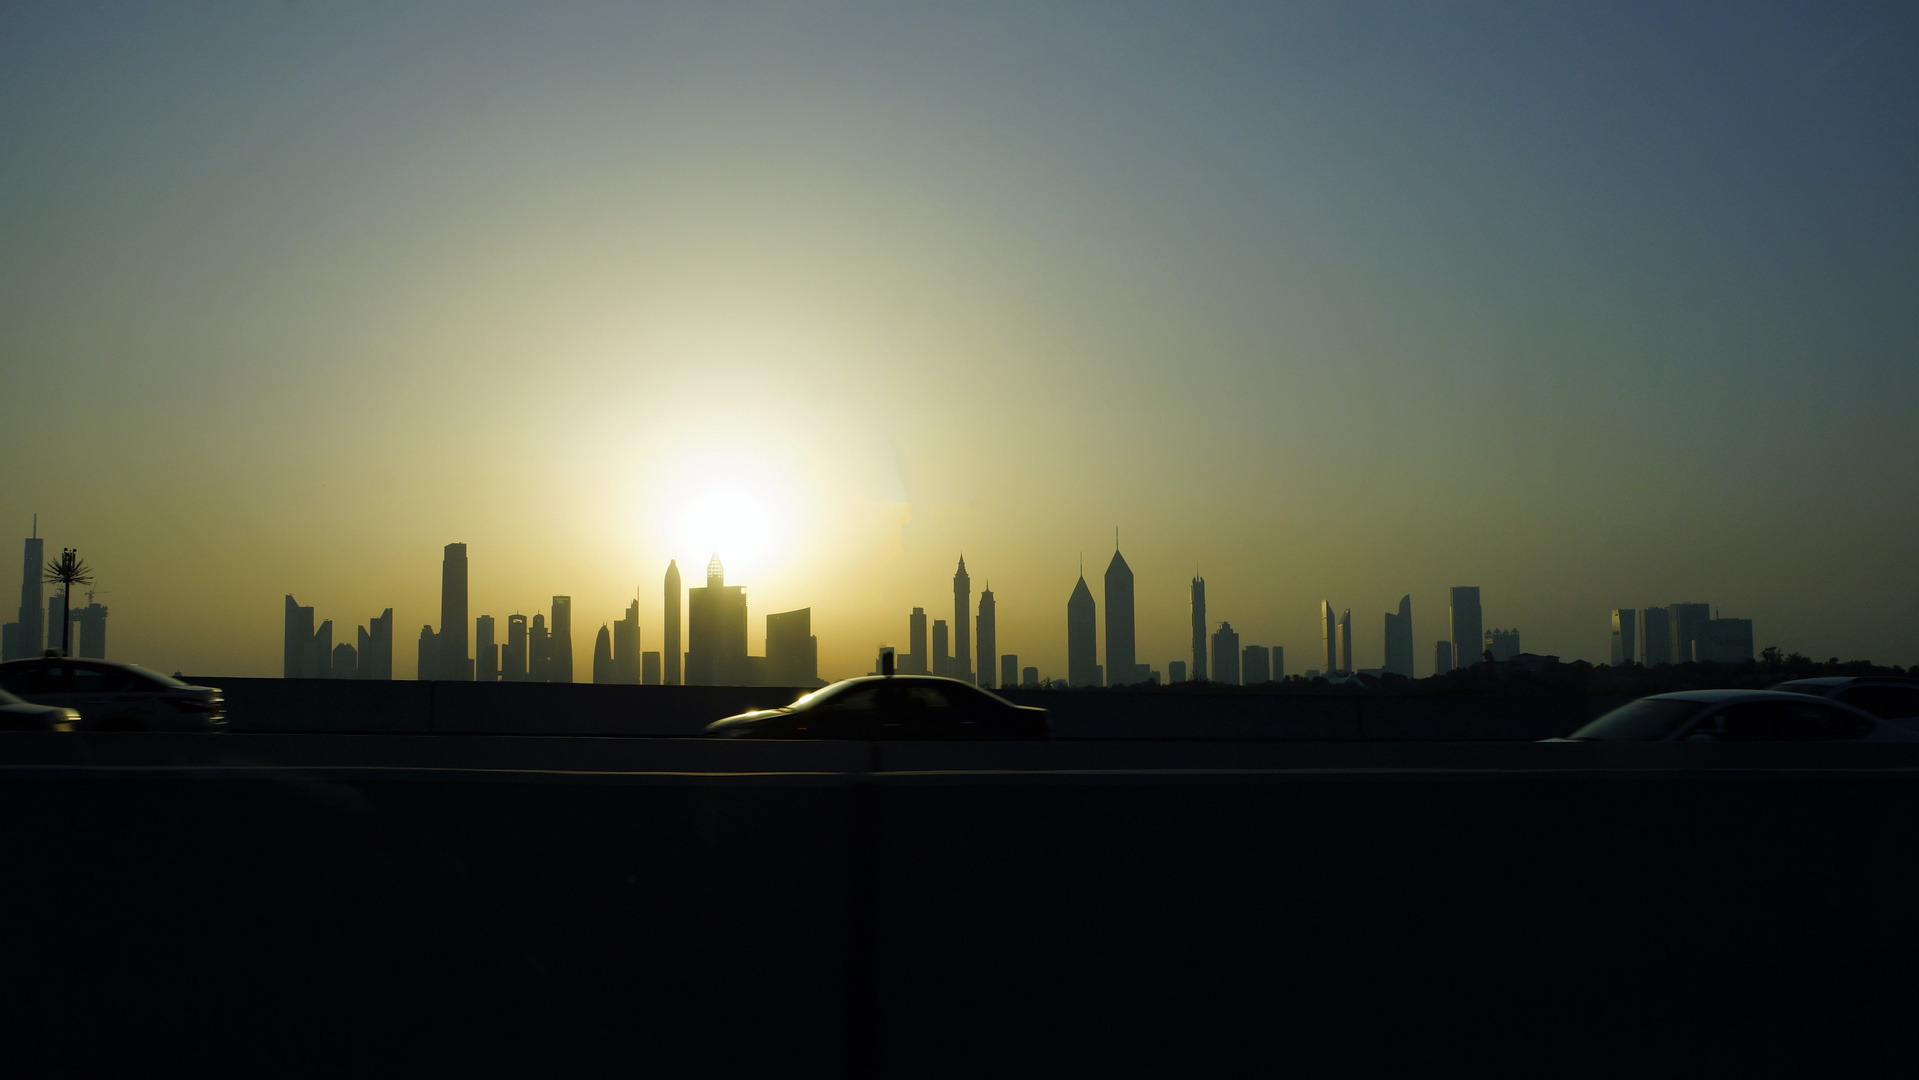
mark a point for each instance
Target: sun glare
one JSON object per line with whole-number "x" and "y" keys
{"x": 731, "y": 521}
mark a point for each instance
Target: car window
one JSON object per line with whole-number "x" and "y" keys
{"x": 858, "y": 699}
{"x": 1783, "y": 721}
{"x": 1645, "y": 720}
{"x": 86, "y": 679}
{"x": 1885, "y": 702}
{"x": 927, "y": 697}
{"x": 24, "y": 678}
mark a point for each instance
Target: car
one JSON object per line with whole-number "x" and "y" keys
{"x": 890, "y": 707}
{"x": 110, "y": 696}
{"x": 1739, "y": 716}
{"x": 1888, "y": 698}
{"x": 17, "y": 715}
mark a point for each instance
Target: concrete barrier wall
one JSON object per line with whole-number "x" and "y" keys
{"x": 259, "y": 921}
{"x": 350, "y": 706}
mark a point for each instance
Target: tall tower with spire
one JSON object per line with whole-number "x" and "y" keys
{"x": 988, "y": 630}
{"x": 1082, "y": 637}
{"x": 962, "y": 624}
{"x": 1120, "y": 651}
{"x": 1199, "y": 629}
{"x": 670, "y": 625}
{"x": 26, "y": 638}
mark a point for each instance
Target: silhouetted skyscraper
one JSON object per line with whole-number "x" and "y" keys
{"x": 1176, "y": 672}
{"x": 1655, "y": 636}
{"x": 962, "y": 624}
{"x": 1255, "y": 665}
{"x": 987, "y": 627}
{"x": 792, "y": 652}
{"x": 942, "y": 660}
{"x": 560, "y": 646}
{"x": 513, "y": 658}
{"x": 670, "y": 628}
{"x": 1199, "y": 629}
{"x": 1009, "y": 670}
{"x": 650, "y": 669}
{"x": 429, "y": 655}
{"x": 297, "y": 644}
{"x": 1502, "y": 644}
{"x": 716, "y": 631}
{"x": 626, "y": 647}
{"x": 486, "y": 657}
{"x": 1399, "y": 639}
{"x": 1726, "y": 641}
{"x": 1346, "y": 666}
{"x": 603, "y": 656}
{"x": 1328, "y": 638}
{"x": 915, "y": 662}
{"x": 1468, "y": 629}
{"x": 455, "y": 661}
{"x": 1122, "y": 668}
{"x": 1625, "y": 636}
{"x": 1226, "y": 655}
{"x": 1442, "y": 657}
{"x": 26, "y": 638}
{"x": 374, "y": 651}
{"x": 539, "y": 651}
{"x": 1688, "y": 626}
{"x": 1279, "y": 663}
{"x": 91, "y": 625}
{"x": 1082, "y": 645}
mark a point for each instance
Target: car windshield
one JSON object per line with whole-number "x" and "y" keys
{"x": 164, "y": 680}
{"x": 1645, "y": 720}
{"x": 1815, "y": 689}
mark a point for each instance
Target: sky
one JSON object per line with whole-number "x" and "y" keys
{"x": 1590, "y": 306}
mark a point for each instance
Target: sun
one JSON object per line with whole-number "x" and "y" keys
{"x": 731, "y": 521}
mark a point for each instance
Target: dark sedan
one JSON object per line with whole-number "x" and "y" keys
{"x": 1886, "y": 698}
{"x": 115, "y": 697}
{"x": 1738, "y": 716}
{"x": 890, "y": 707}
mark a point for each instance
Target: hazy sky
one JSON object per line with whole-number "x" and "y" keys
{"x": 1588, "y": 305}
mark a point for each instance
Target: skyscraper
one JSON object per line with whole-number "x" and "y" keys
{"x": 1009, "y": 670}
{"x": 987, "y": 627}
{"x": 1442, "y": 657}
{"x": 1121, "y": 653}
{"x": 1199, "y": 629}
{"x": 1727, "y": 641}
{"x": 1226, "y": 655}
{"x": 486, "y": 656}
{"x": 1255, "y": 665}
{"x": 1279, "y": 662}
{"x": 915, "y": 661}
{"x": 626, "y": 646}
{"x": 429, "y": 655}
{"x": 92, "y": 629}
{"x": 1082, "y": 645}
{"x": 455, "y": 662}
{"x": 376, "y": 646}
{"x": 1468, "y": 630}
{"x": 539, "y": 651}
{"x": 1655, "y": 636}
{"x": 560, "y": 645}
{"x": 1328, "y": 639}
{"x": 670, "y": 627}
{"x": 1688, "y": 626}
{"x": 513, "y": 658}
{"x": 323, "y": 651}
{"x": 297, "y": 644}
{"x": 716, "y": 631}
{"x": 1176, "y": 672}
{"x": 603, "y": 657}
{"x": 345, "y": 662}
{"x": 1625, "y": 636}
{"x": 1399, "y": 639}
{"x": 27, "y": 637}
{"x": 650, "y": 668}
{"x": 792, "y": 652}
{"x": 1346, "y": 665}
{"x": 962, "y": 624}
{"x": 942, "y": 659}
{"x": 1502, "y": 644}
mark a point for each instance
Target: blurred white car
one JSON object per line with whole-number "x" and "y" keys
{"x": 115, "y": 697}
{"x": 1739, "y": 716}
{"x": 17, "y": 715}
